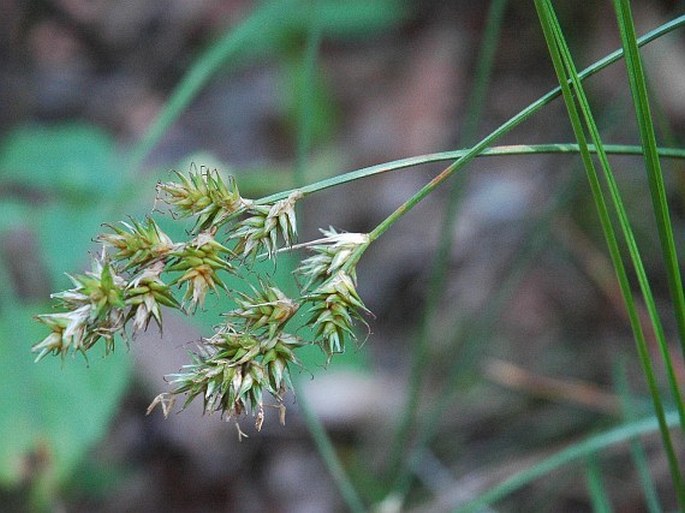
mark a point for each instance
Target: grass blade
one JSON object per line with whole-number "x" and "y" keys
{"x": 566, "y": 74}
{"x": 503, "y": 129}
{"x": 248, "y": 36}
{"x": 637, "y": 451}
{"x": 496, "y": 151}
{"x": 327, "y": 451}
{"x": 598, "y": 492}
{"x": 591, "y": 445}
{"x": 638, "y": 87}
{"x": 436, "y": 281}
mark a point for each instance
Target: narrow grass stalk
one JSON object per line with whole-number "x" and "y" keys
{"x": 472, "y": 153}
{"x": 598, "y": 493}
{"x": 487, "y": 141}
{"x": 565, "y": 73}
{"x": 328, "y": 454}
{"x": 496, "y": 151}
{"x": 624, "y": 223}
{"x": 321, "y": 439}
{"x": 306, "y": 111}
{"x": 468, "y": 337}
{"x": 436, "y": 281}
{"x": 235, "y": 41}
{"x": 625, "y": 226}
{"x": 638, "y": 87}
{"x": 466, "y": 156}
{"x": 574, "y": 452}
{"x": 637, "y": 451}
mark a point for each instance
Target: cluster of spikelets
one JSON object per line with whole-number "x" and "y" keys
{"x": 140, "y": 270}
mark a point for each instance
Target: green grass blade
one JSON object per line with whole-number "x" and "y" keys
{"x": 637, "y": 451}
{"x": 246, "y": 37}
{"x": 321, "y": 439}
{"x": 468, "y": 337}
{"x": 306, "y": 111}
{"x": 496, "y": 151}
{"x": 624, "y": 223}
{"x": 436, "y": 281}
{"x": 638, "y": 87}
{"x": 598, "y": 493}
{"x": 503, "y": 129}
{"x": 574, "y": 452}
{"x": 564, "y": 69}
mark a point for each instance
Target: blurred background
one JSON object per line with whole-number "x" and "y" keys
{"x": 526, "y": 336}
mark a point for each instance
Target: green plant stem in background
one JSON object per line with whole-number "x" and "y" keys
{"x": 468, "y": 337}
{"x": 598, "y": 492}
{"x": 306, "y": 110}
{"x": 591, "y": 445}
{"x": 327, "y": 452}
{"x": 203, "y": 69}
{"x": 626, "y": 229}
{"x": 477, "y": 149}
{"x": 564, "y": 67}
{"x": 496, "y": 151}
{"x": 466, "y": 156}
{"x": 436, "y": 281}
{"x": 624, "y": 222}
{"x": 638, "y": 87}
{"x": 636, "y": 449}
{"x": 321, "y": 439}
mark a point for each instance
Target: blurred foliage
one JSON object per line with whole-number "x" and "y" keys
{"x": 56, "y": 179}
{"x": 58, "y": 184}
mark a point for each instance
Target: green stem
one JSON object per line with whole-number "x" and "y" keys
{"x": 467, "y": 155}
{"x": 496, "y": 151}
{"x": 574, "y": 452}
{"x": 566, "y": 74}
{"x": 637, "y": 451}
{"x": 306, "y": 110}
{"x": 327, "y": 452}
{"x": 598, "y": 493}
{"x": 508, "y": 126}
{"x": 436, "y": 282}
{"x": 638, "y": 86}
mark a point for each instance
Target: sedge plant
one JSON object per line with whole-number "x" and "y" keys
{"x": 245, "y": 365}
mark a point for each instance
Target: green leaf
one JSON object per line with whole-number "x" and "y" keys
{"x": 54, "y": 409}
{"x": 76, "y": 161}
{"x": 74, "y": 168}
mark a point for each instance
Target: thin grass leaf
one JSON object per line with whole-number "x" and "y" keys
{"x": 566, "y": 73}
{"x": 574, "y": 452}
{"x": 495, "y": 151}
{"x": 468, "y": 155}
{"x": 304, "y": 139}
{"x": 467, "y": 337}
{"x": 637, "y": 451}
{"x": 248, "y": 36}
{"x": 437, "y": 282}
{"x": 626, "y": 229}
{"x": 598, "y": 493}
{"x": 657, "y": 189}
{"x": 305, "y": 117}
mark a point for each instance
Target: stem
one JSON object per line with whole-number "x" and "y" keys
{"x": 436, "y": 282}
{"x": 481, "y": 146}
{"x": 495, "y": 151}
{"x": 589, "y": 446}
{"x": 567, "y": 76}
{"x": 638, "y": 86}
{"x": 327, "y": 452}
{"x": 308, "y": 97}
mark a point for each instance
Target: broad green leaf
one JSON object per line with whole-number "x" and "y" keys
{"x": 76, "y": 161}
{"x": 54, "y": 409}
